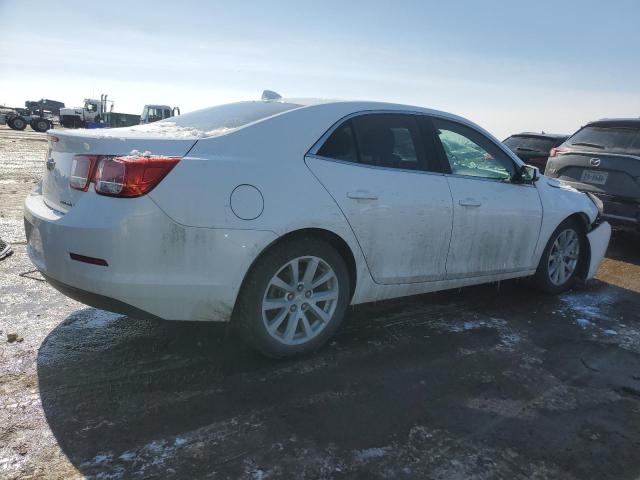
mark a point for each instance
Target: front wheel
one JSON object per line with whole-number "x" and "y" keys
{"x": 40, "y": 125}
{"x": 561, "y": 258}
{"x": 294, "y": 298}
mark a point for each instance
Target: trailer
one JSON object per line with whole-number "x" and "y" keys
{"x": 38, "y": 114}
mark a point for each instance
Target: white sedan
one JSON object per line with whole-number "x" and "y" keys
{"x": 276, "y": 215}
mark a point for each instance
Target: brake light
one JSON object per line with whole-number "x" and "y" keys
{"x": 557, "y": 151}
{"x": 131, "y": 176}
{"x": 81, "y": 171}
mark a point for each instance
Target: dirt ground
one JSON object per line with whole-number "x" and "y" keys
{"x": 497, "y": 381}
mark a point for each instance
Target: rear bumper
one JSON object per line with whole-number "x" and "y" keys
{"x": 155, "y": 267}
{"x": 99, "y": 301}
{"x": 598, "y": 243}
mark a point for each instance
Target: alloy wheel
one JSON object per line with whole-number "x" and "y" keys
{"x": 300, "y": 300}
{"x": 564, "y": 255}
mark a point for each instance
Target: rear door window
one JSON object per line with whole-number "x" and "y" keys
{"x": 386, "y": 140}
{"x": 340, "y": 145}
{"x": 389, "y": 140}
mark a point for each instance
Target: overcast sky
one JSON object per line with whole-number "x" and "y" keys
{"x": 508, "y": 65}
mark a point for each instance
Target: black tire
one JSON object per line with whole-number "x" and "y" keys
{"x": 248, "y": 316}
{"x": 542, "y": 276}
{"x": 17, "y": 123}
{"x": 40, "y": 125}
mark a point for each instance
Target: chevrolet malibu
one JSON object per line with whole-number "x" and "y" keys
{"x": 275, "y": 215}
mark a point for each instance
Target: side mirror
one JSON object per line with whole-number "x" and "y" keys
{"x": 529, "y": 174}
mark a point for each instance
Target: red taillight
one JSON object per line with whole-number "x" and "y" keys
{"x": 131, "y": 176}
{"x": 557, "y": 151}
{"x": 82, "y": 171}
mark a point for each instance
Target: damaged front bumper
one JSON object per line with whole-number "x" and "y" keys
{"x": 598, "y": 243}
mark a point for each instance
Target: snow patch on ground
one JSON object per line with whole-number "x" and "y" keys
{"x": 508, "y": 337}
{"x": 583, "y": 322}
{"x": 369, "y": 453}
{"x": 589, "y": 307}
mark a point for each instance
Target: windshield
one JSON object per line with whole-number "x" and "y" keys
{"x": 621, "y": 139}
{"x": 536, "y": 144}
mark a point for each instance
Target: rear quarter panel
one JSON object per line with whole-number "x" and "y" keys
{"x": 269, "y": 156}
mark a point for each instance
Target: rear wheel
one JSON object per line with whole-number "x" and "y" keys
{"x": 17, "y": 123}
{"x": 294, "y": 298}
{"x": 561, "y": 258}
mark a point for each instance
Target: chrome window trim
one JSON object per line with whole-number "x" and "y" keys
{"x": 375, "y": 167}
{"x": 484, "y": 179}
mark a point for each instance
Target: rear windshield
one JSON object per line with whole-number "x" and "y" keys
{"x": 232, "y": 115}
{"x": 216, "y": 120}
{"x": 613, "y": 139}
{"x": 536, "y": 144}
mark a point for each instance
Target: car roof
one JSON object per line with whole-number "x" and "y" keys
{"x": 554, "y": 136}
{"x": 360, "y": 104}
{"x": 615, "y": 122}
{"x": 367, "y": 105}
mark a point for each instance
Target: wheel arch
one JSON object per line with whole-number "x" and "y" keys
{"x": 332, "y": 238}
{"x": 583, "y": 221}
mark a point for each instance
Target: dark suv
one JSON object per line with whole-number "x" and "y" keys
{"x": 533, "y": 148}
{"x": 603, "y": 158}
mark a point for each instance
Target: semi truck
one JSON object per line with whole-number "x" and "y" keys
{"x": 99, "y": 113}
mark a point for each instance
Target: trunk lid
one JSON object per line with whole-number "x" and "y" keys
{"x": 599, "y": 172}
{"x": 65, "y": 144}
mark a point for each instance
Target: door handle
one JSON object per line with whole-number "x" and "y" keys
{"x": 362, "y": 195}
{"x": 470, "y": 202}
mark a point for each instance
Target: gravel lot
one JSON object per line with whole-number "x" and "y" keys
{"x": 495, "y": 381}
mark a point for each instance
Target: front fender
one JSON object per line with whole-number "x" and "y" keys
{"x": 598, "y": 242}
{"x": 559, "y": 202}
